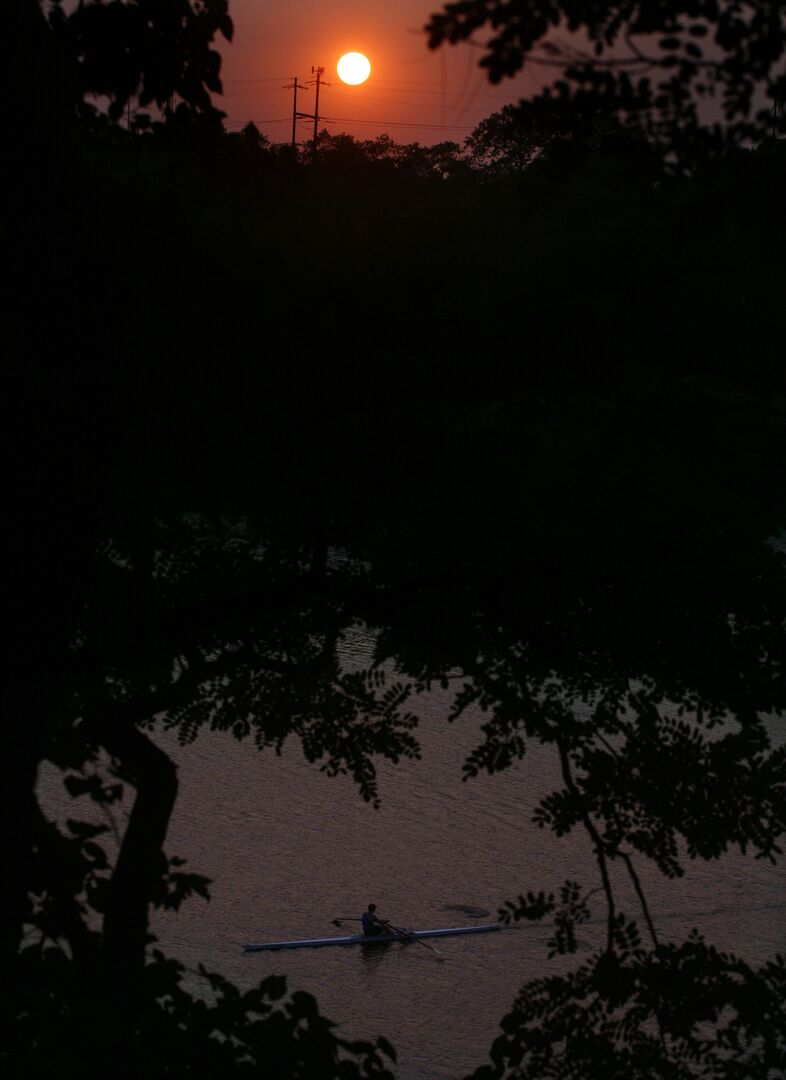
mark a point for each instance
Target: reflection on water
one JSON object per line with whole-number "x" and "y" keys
{"x": 290, "y": 849}
{"x": 373, "y": 954}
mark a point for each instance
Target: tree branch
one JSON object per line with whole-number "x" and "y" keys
{"x": 589, "y": 825}
{"x": 640, "y": 893}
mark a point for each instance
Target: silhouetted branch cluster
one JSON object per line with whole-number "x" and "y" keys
{"x": 677, "y": 1012}
{"x": 643, "y": 776}
{"x": 144, "y": 49}
{"x": 695, "y": 77}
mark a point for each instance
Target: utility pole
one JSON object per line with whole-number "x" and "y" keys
{"x": 295, "y": 114}
{"x": 317, "y": 81}
{"x": 319, "y": 71}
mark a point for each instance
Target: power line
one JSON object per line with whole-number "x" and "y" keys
{"x": 449, "y": 82}
{"x": 395, "y": 101}
{"x": 245, "y": 123}
{"x": 465, "y": 99}
{"x": 437, "y": 86}
{"x": 253, "y": 90}
{"x": 349, "y": 120}
{"x": 394, "y": 123}
{"x": 261, "y": 78}
{"x": 515, "y": 91}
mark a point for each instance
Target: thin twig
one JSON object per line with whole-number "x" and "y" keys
{"x": 640, "y": 893}
{"x": 644, "y": 907}
{"x": 608, "y": 745}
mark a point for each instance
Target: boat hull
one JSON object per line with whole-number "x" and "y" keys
{"x": 378, "y": 939}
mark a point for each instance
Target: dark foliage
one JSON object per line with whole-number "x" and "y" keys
{"x": 696, "y": 77}
{"x": 548, "y": 467}
{"x": 676, "y": 1013}
{"x": 150, "y": 50}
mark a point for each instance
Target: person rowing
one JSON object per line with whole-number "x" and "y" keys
{"x": 373, "y": 926}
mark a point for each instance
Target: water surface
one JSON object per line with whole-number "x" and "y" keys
{"x": 290, "y": 849}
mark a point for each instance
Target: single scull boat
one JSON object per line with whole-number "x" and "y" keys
{"x": 378, "y": 939}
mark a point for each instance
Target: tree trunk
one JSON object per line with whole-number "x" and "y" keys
{"x": 140, "y": 861}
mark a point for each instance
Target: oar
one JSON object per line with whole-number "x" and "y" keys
{"x": 395, "y": 929}
{"x": 409, "y": 935}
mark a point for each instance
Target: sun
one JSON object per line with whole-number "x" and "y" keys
{"x": 353, "y": 68}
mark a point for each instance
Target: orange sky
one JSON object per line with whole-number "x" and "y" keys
{"x": 413, "y": 94}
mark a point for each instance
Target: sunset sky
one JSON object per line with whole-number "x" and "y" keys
{"x": 413, "y": 94}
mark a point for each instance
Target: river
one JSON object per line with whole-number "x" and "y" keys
{"x": 289, "y": 849}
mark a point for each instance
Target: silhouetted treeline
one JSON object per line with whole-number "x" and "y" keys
{"x": 576, "y": 268}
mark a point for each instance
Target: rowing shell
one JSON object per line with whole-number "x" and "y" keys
{"x": 361, "y": 939}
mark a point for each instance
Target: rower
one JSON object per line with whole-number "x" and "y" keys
{"x": 372, "y": 924}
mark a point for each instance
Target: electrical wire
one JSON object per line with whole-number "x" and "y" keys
{"x": 431, "y": 82}
{"x": 388, "y": 101}
{"x": 382, "y": 101}
{"x": 255, "y": 79}
{"x": 393, "y": 123}
{"x": 408, "y": 84}
{"x": 348, "y": 120}
{"x": 254, "y": 90}
{"x": 244, "y": 123}
{"x": 465, "y": 97}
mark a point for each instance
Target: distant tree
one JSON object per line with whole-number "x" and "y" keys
{"x": 693, "y": 76}
{"x": 503, "y": 143}
{"x": 382, "y": 148}
{"x": 442, "y": 161}
{"x": 447, "y": 160}
{"x": 253, "y": 137}
{"x": 340, "y": 150}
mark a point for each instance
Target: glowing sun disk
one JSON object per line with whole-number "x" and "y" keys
{"x": 353, "y": 68}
